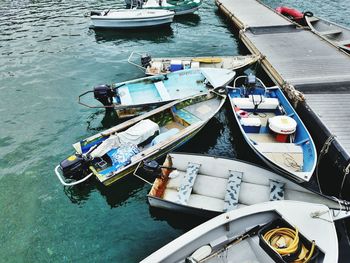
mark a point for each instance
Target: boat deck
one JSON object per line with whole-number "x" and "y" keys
{"x": 333, "y": 110}
{"x": 298, "y": 57}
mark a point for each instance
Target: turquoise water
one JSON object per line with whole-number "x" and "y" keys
{"x": 48, "y": 56}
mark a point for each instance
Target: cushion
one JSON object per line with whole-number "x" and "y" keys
{"x": 188, "y": 182}
{"x": 276, "y": 190}
{"x": 232, "y": 190}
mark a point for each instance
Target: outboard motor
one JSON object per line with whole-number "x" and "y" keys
{"x": 95, "y": 13}
{"x": 146, "y": 60}
{"x": 104, "y": 94}
{"x": 75, "y": 166}
{"x": 250, "y": 81}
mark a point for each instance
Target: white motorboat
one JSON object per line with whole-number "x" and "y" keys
{"x": 257, "y": 233}
{"x": 131, "y": 18}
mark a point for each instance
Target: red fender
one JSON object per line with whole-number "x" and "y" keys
{"x": 290, "y": 12}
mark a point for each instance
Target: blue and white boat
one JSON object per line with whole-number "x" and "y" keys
{"x": 137, "y": 96}
{"x": 273, "y": 129}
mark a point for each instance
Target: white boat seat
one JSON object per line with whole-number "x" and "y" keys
{"x": 267, "y": 147}
{"x": 343, "y": 42}
{"x": 247, "y": 103}
{"x": 232, "y": 190}
{"x": 124, "y": 95}
{"x": 313, "y": 19}
{"x": 163, "y": 93}
{"x": 187, "y": 183}
{"x": 331, "y": 32}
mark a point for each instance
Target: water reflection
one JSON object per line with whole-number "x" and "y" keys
{"x": 159, "y": 35}
{"x": 176, "y": 220}
{"x": 188, "y": 20}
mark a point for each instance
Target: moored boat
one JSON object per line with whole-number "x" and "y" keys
{"x": 207, "y": 190}
{"x": 273, "y": 129}
{"x": 180, "y": 7}
{"x": 116, "y": 152}
{"x": 337, "y": 34}
{"x": 155, "y": 66}
{"x": 131, "y": 18}
{"x": 280, "y": 231}
{"x": 137, "y": 96}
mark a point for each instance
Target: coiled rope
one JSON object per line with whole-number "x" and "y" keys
{"x": 285, "y": 241}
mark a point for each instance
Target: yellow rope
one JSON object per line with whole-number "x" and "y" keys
{"x": 285, "y": 241}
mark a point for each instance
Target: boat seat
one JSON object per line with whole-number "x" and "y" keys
{"x": 331, "y": 32}
{"x": 162, "y": 91}
{"x": 343, "y": 42}
{"x": 288, "y": 155}
{"x": 232, "y": 190}
{"x": 267, "y": 147}
{"x": 124, "y": 95}
{"x": 313, "y": 19}
{"x": 247, "y": 103}
{"x": 187, "y": 183}
{"x": 186, "y": 116}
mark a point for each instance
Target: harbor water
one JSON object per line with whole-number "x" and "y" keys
{"x": 48, "y": 56}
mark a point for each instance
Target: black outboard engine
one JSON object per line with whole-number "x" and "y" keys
{"x": 75, "y": 166}
{"x": 250, "y": 81}
{"x": 95, "y": 13}
{"x": 104, "y": 94}
{"x": 146, "y": 60}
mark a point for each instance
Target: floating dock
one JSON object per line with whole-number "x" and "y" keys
{"x": 298, "y": 60}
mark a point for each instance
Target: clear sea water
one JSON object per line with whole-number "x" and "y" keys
{"x": 48, "y": 56}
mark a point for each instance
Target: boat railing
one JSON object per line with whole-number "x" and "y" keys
{"x": 131, "y": 58}
{"x": 72, "y": 183}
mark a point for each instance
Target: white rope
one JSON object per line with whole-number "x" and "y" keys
{"x": 323, "y": 152}
{"x": 346, "y": 172}
{"x": 289, "y": 161}
{"x": 293, "y": 94}
{"x": 318, "y": 214}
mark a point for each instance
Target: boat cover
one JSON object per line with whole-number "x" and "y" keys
{"x": 120, "y": 157}
{"x": 135, "y": 135}
{"x": 218, "y": 77}
{"x": 139, "y": 133}
{"x": 105, "y": 146}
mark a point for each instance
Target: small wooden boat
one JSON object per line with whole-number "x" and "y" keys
{"x": 116, "y": 152}
{"x": 280, "y": 231}
{"x": 273, "y": 129}
{"x": 137, "y": 96}
{"x": 337, "y": 34}
{"x": 156, "y": 66}
{"x": 180, "y": 7}
{"x": 207, "y": 191}
{"x": 131, "y": 18}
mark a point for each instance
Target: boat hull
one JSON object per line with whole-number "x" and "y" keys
{"x": 101, "y": 22}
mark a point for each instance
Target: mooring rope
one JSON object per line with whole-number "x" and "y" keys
{"x": 294, "y": 94}
{"x": 323, "y": 152}
{"x": 346, "y": 172}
